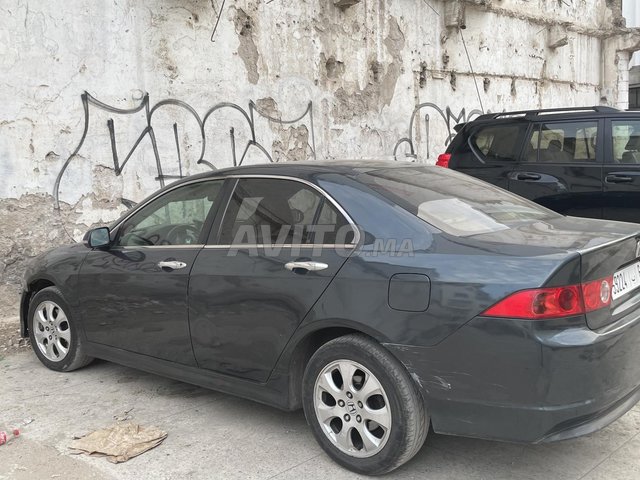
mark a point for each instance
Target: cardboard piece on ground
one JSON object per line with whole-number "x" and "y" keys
{"x": 119, "y": 442}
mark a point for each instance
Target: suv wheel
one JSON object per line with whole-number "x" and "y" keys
{"x": 53, "y": 333}
{"x": 363, "y": 407}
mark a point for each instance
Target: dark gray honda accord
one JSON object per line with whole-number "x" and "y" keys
{"x": 381, "y": 298}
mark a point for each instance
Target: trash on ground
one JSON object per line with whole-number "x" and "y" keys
{"x": 7, "y": 437}
{"x": 119, "y": 442}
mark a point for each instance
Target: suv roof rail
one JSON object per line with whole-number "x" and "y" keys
{"x": 532, "y": 113}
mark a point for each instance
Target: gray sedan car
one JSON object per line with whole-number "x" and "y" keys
{"x": 380, "y": 298}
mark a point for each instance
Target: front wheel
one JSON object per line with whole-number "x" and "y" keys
{"x": 363, "y": 407}
{"x": 53, "y": 333}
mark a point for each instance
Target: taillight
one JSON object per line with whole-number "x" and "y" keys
{"x": 554, "y": 302}
{"x": 597, "y": 294}
{"x": 443, "y": 160}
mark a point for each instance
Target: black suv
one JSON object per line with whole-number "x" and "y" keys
{"x": 576, "y": 161}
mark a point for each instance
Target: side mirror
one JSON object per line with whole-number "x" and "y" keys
{"x": 97, "y": 238}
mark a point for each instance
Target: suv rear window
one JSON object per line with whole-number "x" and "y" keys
{"x": 498, "y": 142}
{"x": 452, "y": 202}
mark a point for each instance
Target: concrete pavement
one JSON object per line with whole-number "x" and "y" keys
{"x": 213, "y": 435}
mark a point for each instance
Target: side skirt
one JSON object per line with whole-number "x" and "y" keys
{"x": 273, "y": 393}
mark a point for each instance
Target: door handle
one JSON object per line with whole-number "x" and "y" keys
{"x": 172, "y": 264}
{"x": 309, "y": 266}
{"x": 528, "y": 176}
{"x": 618, "y": 179}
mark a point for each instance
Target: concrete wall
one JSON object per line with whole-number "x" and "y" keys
{"x": 349, "y": 77}
{"x": 631, "y": 12}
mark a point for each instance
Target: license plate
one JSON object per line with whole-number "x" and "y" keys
{"x": 626, "y": 280}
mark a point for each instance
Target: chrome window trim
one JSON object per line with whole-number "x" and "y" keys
{"x": 192, "y": 246}
{"x": 338, "y": 207}
{"x": 283, "y": 245}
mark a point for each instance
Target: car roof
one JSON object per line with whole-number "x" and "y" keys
{"x": 304, "y": 170}
{"x": 553, "y": 114}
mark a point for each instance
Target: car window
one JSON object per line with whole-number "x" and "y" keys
{"x": 277, "y": 212}
{"x": 452, "y": 202}
{"x": 566, "y": 142}
{"x": 499, "y": 142}
{"x": 626, "y": 141}
{"x": 176, "y": 218}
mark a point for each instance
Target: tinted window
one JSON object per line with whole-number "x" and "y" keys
{"x": 271, "y": 211}
{"x": 626, "y": 141}
{"x": 563, "y": 143}
{"x": 452, "y": 202}
{"x": 498, "y": 142}
{"x": 176, "y": 218}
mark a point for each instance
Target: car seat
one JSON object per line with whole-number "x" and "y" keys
{"x": 632, "y": 155}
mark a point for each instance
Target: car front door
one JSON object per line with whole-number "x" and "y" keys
{"x": 276, "y": 250}
{"x": 621, "y": 172}
{"x": 134, "y": 294}
{"x": 561, "y": 167}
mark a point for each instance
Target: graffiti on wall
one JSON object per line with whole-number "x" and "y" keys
{"x": 433, "y": 115}
{"x": 238, "y": 152}
{"x": 450, "y": 120}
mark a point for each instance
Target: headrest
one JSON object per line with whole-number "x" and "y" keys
{"x": 633, "y": 143}
{"x": 555, "y": 145}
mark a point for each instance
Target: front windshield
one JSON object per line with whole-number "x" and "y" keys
{"x": 452, "y": 202}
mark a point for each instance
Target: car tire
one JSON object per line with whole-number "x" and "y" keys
{"x": 341, "y": 414}
{"x": 54, "y": 333}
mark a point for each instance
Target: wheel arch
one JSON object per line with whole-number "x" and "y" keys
{"x": 306, "y": 343}
{"x": 33, "y": 287}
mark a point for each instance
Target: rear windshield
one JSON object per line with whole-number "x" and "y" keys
{"x": 453, "y": 202}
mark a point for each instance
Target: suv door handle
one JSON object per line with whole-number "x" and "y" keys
{"x": 618, "y": 179}
{"x": 172, "y": 264}
{"x": 309, "y": 266}
{"x": 528, "y": 176}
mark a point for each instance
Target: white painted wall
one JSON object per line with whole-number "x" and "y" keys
{"x": 364, "y": 69}
{"x": 631, "y": 13}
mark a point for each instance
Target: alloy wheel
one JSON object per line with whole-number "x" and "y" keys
{"x": 352, "y": 408}
{"x": 51, "y": 331}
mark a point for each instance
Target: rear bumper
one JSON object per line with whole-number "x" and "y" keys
{"x": 576, "y": 427}
{"x": 529, "y": 382}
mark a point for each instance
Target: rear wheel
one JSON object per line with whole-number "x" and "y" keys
{"x": 53, "y": 333}
{"x": 363, "y": 407}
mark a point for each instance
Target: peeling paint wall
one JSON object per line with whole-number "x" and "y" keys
{"x": 364, "y": 68}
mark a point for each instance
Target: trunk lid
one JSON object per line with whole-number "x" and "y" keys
{"x": 617, "y": 259}
{"x": 606, "y": 248}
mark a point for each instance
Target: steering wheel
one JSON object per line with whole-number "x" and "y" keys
{"x": 182, "y": 235}
{"x": 140, "y": 239}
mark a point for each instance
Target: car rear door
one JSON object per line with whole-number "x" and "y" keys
{"x": 262, "y": 271}
{"x": 561, "y": 167}
{"x": 490, "y": 151}
{"x": 621, "y": 171}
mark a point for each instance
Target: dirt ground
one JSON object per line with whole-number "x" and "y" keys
{"x": 10, "y": 340}
{"x": 216, "y": 436}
